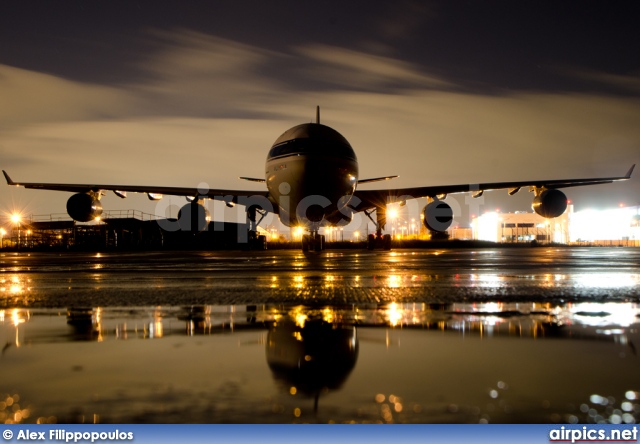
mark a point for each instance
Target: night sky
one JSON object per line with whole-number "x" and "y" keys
{"x": 441, "y": 92}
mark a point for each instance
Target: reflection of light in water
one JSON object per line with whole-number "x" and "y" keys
{"x": 19, "y": 317}
{"x": 486, "y": 280}
{"x": 603, "y": 409}
{"x": 394, "y": 314}
{"x": 607, "y": 280}
{"x": 329, "y": 281}
{"x": 298, "y": 315}
{"x": 298, "y": 281}
{"x": 155, "y": 327}
{"x": 98, "y": 323}
{"x": 274, "y": 282}
{"x": 328, "y": 315}
{"x": 10, "y": 410}
{"x": 607, "y": 313}
{"x": 14, "y": 286}
{"x": 394, "y": 281}
{"x": 121, "y": 331}
{"x": 489, "y": 307}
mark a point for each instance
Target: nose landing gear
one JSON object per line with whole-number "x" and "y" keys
{"x": 313, "y": 242}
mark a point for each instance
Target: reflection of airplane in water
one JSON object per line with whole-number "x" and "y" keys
{"x": 312, "y": 352}
{"x": 589, "y": 321}
{"x": 311, "y": 358}
{"x": 311, "y": 178}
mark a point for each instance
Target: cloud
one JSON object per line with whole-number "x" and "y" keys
{"x": 197, "y": 74}
{"x": 629, "y": 83}
{"x": 350, "y": 69}
{"x": 29, "y": 97}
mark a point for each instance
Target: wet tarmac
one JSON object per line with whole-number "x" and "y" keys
{"x": 533, "y": 335}
{"x": 342, "y": 276}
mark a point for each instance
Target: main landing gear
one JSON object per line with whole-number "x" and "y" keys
{"x": 256, "y": 241}
{"x": 313, "y": 242}
{"x": 378, "y": 240}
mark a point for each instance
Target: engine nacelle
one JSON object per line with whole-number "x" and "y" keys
{"x": 438, "y": 216}
{"x": 193, "y": 217}
{"x": 550, "y": 203}
{"x": 83, "y": 208}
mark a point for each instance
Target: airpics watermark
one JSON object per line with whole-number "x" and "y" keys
{"x": 62, "y": 435}
{"x": 590, "y": 434}
{"x": 196, "y": 214}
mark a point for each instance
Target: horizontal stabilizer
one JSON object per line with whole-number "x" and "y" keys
{"x": 376, "y": 179}
{"x": 252, "y": 179}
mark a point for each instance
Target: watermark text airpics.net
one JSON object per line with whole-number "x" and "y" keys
{"x": 592, "y": 434}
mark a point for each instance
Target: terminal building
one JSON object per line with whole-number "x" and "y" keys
{"x": 613, "y": 227}
{"x": 127, "y": 229}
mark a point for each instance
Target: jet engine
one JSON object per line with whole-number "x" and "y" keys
{"x": 193, "y": 217}
{"x": 438, "y": 216}
{"x": 83, "y": 207}
{"x": 550, "y": 203}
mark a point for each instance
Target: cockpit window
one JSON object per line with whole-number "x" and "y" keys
{"x": 312, "y": 146}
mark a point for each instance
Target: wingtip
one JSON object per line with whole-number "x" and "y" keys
{"x": 628, "y": 175}
{"x": 6, "y": 176}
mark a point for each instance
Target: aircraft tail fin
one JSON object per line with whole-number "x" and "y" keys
{"x": 6, "y": 176}
{"x": 627, "y": 176}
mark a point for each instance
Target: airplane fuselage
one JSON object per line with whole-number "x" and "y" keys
{"x": 311, "y": 174}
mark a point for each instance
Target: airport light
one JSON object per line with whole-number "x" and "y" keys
{"x": 356, "y": 235}
{"x": 16, "y": 218}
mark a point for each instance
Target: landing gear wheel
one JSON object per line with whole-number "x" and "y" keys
{"x": 257, "y": 242}
{"x": 306, "y": 242}
{"x": 312, "y": 242}
{"x": 371, "y": 242}
{"x": 386, "y": 242}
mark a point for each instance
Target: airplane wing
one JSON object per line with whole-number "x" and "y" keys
{"x": 229, "y": 196}
{"x": 378, "y": 198}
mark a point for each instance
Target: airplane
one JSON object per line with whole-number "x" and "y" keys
{"x": 312, "y": 178}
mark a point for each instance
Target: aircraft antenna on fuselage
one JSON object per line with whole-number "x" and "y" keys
{"x": 318, "y": 114}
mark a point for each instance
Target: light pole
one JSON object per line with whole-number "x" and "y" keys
{"x": 2, "y": 233}
{"x": 15, "y": 218}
